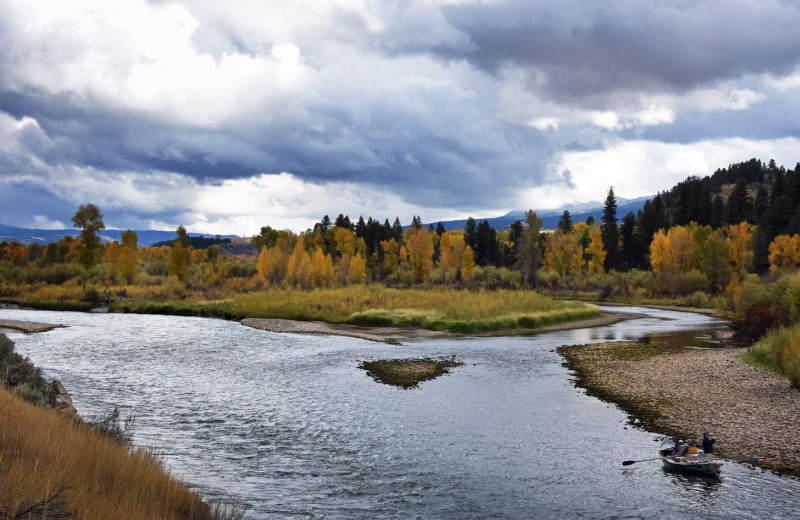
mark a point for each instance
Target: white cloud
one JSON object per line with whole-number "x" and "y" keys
{"x": 640, "y": 168}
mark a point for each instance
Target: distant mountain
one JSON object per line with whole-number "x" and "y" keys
{"x": 147, "y": 237}
{"x": 550, "y": 217}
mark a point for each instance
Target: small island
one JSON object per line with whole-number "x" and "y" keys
{"x": 408, "y": 373}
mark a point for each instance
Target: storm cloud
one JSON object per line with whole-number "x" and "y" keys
{"x": 226, "y": 117}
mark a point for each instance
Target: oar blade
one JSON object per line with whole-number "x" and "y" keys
{"x": 628, "y": 462}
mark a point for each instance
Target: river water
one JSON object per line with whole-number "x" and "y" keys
{"x": 290, "y": 426}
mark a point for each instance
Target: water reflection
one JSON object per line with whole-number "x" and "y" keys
{"x": 291, "y": 426}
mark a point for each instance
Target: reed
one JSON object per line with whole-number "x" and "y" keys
{"x": 65, "y": 466}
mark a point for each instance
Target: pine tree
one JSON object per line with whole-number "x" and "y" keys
{"x": 610, "y": 232}
{"x": 397, "y": 229}
{"x": 565, "y": 222}
{"x": 471, "y": 233}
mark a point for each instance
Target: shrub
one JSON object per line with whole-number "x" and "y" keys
{"x": 779, "y": 350}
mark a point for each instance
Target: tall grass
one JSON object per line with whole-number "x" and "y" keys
{"x": 437, "y": 309}
{"x": 779, "y": 350}
{"x": 42, "y": 451}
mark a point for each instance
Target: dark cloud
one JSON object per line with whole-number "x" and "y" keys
{"x": 437, "y": 106}
{"x": 584, "y": 51}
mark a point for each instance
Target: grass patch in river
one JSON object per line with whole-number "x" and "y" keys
{"x": 408, "y": 373}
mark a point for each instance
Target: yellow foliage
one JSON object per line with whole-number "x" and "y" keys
{"x": 784, "y": 253}
{"x": 321, "y": 269}
{"x": 597, "y": 255}
{"x": 468, "y": 264}
{"x": 299, "y": 267}
{"x": 420, "y": 252}
{"x": 390, "y": 256}
{"x": 740, "y": 240}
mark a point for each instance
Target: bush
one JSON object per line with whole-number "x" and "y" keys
{"x": 779, "y": 350}
{"x": 109, "y": 425}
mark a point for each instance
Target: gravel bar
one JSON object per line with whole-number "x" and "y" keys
{"x": 752, "y": 412}
{"x": 309, "y": 327}
{"x": 27, "y": 326}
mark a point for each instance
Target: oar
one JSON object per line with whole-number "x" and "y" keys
{"x": 629, "y": 462}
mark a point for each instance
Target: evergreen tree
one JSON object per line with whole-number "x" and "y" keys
{"x": 397, "y": 230}
{"x": 610, "y": 232}
{"x": 739, "y": 203}
{"x": 360, "y": 227}
{"x": 717, "y": 212}
{"x": 343, "y": 221}
{"x": 629, "y": 239}
{"x": 511, "y": 248}
{"x": 440, "y": 230}
{"x": 416, "y": 222}
{"x": 760, "y": 205}
{"x": 471, "y": 233}
{"x": 486, "y": 239}
{"x": 565, "y": 222}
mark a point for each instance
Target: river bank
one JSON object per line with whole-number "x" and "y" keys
{"x": 751, "y": 412}
{"x": 385, "y": 334}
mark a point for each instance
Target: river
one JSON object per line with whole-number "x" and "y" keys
{"x": 290, "y": 426}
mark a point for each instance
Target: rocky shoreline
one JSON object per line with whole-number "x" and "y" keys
{"x": 752, "y": 412}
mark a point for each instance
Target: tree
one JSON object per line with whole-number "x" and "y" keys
{"x": 179, "y": 261}
{"x": 471, "y": 233}
{"x": 468, "y": 264}
{"x": 565, "y": 222}
{"x": 390, "y": 256}
{"x": 90, "y": 220}
{"x": 268, "y": 236}
{"x": 530, "y": 251}
{"x": 630, "y": 242}
{"x": 129, "y": 265}
{"x": 183, "y": 236}
{"x": 784, "y": 253}
{"x": 298, "y": 269}
{"x": 485, "y": 244}
{"x": 595, "y": 251}
{"x": 740, "y": 239}
{"x": 420, "y": 253}
{"x": 610, "y": 232}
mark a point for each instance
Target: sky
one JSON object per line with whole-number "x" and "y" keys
{"x": 227, "y": 116}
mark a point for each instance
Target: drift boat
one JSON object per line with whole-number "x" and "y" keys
{"x": 698, "y": 463}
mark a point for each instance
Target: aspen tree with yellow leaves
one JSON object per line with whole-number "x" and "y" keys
{"x": 420, "y": 253}
{"x": 784, "y": 253}
{"x": 468, "y": 264}
{"x": 595, "y": 251}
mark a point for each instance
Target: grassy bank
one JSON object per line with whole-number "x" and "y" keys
{"x": 64, "y": 466}
{"x": 779, "y": 350}
{"x": 446, "y": 309}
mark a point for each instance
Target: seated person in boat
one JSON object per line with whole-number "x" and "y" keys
{"x": 687, "y": 449}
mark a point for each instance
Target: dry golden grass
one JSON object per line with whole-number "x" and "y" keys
{"x": 42, "y": 451}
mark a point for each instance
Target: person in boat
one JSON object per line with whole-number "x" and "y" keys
{"x": 708, "y": 442}
{"x": 677, "y": 446}
{"x": 681, "y": 448}
{"x": 687, "y": 449}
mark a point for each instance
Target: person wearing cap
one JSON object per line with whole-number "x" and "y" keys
{"x": 708, "y": 443}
